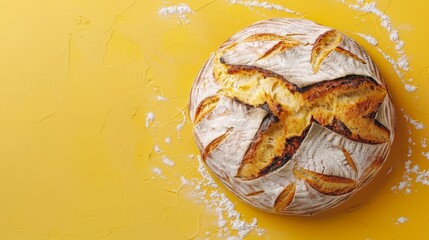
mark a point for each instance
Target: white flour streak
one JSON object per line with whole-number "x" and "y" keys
{"x": 385, "y": 22}
{"x": 393, "y": 63}
{"x": 265, "y": 5}
{"x": 167, "y": 161}
{"x": 403, "y": 64}
{"x": 406, "y": 181}
{"x": 179, "y": 9}
{"x": 418, "y": 125}
{"x": 182, "y": 11}
{"x": 149, "y": 118}
{"x": 370, "y": 39}
{"x": 205, "y": 190}
{"x": 412, "y": 172}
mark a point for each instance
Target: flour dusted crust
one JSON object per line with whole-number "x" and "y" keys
{"x": 291, "y": 116}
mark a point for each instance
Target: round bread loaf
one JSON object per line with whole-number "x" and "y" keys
{"x": 293, "y": 117}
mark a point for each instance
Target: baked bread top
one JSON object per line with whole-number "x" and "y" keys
{"x": 291, "y": 116}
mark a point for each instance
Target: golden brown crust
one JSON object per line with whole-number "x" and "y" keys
{"x": 355, "y": 99}
{"x": 254, "y": 165}
{"x": 299, "y": 114}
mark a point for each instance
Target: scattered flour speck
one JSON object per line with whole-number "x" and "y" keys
{"x": 167, "y": 140}
{"x": 157, "y": 149}
{"x": 161, "y": 98}
{"x": 149, "y": 118}
{"x": 179, "y": 127}
{"x": 167, "y": 161}
{"x": 399, "y": 45}
{"x": 423, "y": 142}
{"x": 410, "y": 88}
{"x": 400, "y": 220}
{"x": 183, "y": 180}
{"x": 157, "y": 171}
{"x": 182, "y": 124}
{"x": 403, "y": 63}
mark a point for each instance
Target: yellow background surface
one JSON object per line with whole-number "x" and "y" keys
{"x": 79, "y": 78}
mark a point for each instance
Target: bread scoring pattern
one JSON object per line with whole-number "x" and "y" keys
{"x": 271, "y": 169}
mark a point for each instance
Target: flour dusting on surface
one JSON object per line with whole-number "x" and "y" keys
{"x": 402, "y": 61}
{"x": 412, "y": 171}
{"x": 230, "y": 223}
{"x": 385, "y": 22}
{"x": 181, "y": 10}
{"x": 265, "y": 5}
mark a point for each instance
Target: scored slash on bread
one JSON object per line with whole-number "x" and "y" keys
{"x": 285, "y": 198}
{"x": 205, "y": 107}
{"x": 289, "y": 79}
{"x": 349, "y": 159}
{"x": 213, "y": 145}
{"x": 327, "y": 43}
{"x": 326, "y": 184}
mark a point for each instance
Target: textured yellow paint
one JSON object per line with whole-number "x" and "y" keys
{"x": 78, "y": 79}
